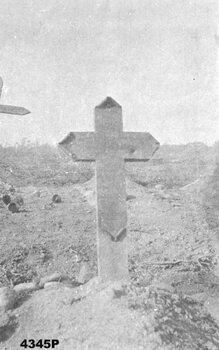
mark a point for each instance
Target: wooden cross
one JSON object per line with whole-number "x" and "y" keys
{"x": 109, "y": 147}
{"x": 11, "y": 109}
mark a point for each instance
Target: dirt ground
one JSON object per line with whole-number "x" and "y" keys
{"x": 171, "y": 300}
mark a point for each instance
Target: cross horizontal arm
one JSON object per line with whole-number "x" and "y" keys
{"x": 81, "y": 145}
{"x": 138, "y": 146}
{"x": 13, "y": 110}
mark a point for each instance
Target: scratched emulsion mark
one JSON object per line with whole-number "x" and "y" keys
{"x": 110, "y": 147}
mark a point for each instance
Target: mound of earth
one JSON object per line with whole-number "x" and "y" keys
{"x": 170, "y": 302}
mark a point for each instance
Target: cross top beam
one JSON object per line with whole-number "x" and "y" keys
{"x": 110, "y": 147}
{"x": 6, "y": 109}
{"x": 87, "y": 146}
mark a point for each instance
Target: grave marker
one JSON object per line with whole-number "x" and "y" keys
{"x": 11, "y": 109}
{"x": 109, "y": 147}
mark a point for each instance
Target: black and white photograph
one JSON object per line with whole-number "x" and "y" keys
{"x": 109, "y": 174}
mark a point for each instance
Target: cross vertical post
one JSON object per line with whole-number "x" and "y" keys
{"x": 111, "y": 194}
{"x": 110, "y": 147}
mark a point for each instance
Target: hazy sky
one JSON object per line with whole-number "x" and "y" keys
{"x": 157, "y": 58}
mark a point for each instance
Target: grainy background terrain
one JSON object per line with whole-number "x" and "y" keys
{"x": 171, "y": 301}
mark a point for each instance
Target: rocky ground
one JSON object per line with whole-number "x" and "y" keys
{"x": 170, "y": 302}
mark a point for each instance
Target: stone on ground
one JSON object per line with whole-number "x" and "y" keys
{"x": 7, "y": 298}
{"x": 55, "y": 277}
{"x": 56, "y": 198}
{"x": 13, "y": 207}
{"x": 6, "y": 199}
{"x": 19, "y": 200}
{"x": 26, "y": 287}
{"x": 84, "y": 274}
